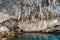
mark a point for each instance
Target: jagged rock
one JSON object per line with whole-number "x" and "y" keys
{"x": 40, "y": 25}
{"x": 57, "y": 28}
{"x": 27, "y": 13}
{"x": 11, "y": 34}
{"x": 12, "y": 24}
{"x": 4, "y": 29}
{"x": 1, "y": 35}
{"x": 53, "y": 23}
{"x": 4, "y": 17}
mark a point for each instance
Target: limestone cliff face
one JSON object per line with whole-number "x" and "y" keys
{"x": 29, "y": 15}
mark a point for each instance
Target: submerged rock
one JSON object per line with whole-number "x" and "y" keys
{"x": 12, "y": 25}
{"x": 30, "y": 26}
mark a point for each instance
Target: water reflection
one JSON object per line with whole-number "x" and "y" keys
{"x": 36, "y": 36}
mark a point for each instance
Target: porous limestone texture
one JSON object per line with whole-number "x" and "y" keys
{"x": 29, "y": 15}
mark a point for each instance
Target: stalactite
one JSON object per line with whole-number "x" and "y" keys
{"x": 49, "y": 2}
{"x": 19, "y": 12}
{"x": 54, "y": 2}
{"x": 32, "y": 2}
{"x": 25, "y": 1}
{"x": 40, "y": 7}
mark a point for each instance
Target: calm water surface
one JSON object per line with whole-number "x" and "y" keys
{"x": 36, "y": 36}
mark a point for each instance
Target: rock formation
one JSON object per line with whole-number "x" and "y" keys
{"x": 29, "y": 15}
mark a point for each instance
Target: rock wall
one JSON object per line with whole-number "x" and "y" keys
{"x": 29, "y": 15}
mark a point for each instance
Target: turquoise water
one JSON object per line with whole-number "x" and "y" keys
{"x": 36, "y": 36}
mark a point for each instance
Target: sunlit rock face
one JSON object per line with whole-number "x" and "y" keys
{"x": 30, "y": 15}
{"x": 40, "y": 25}
{"x": 4, "y": 29}
{"x": 30, "y": 26}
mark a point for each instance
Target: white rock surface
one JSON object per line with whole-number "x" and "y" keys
{"x": 4, "y": 29}
{"x": 53, "y": 23}
{"x": 3, "y": 17}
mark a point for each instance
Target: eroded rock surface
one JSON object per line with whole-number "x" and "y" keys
{"x": 28, "y": 15}
{"x": 4, "y": 17}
